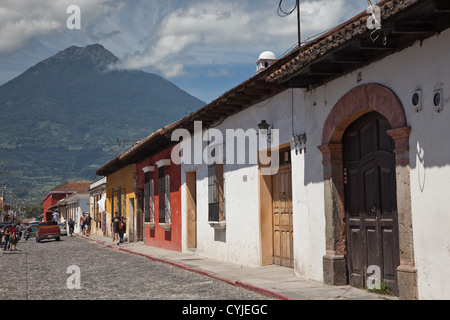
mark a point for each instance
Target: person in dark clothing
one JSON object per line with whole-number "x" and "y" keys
{"x": 88, "y": 223}
{"x": 6, "y": 233}
{"x": 71, "y": 227}
{"x": 115, "y": 226}
{"x": 121, "y": 228}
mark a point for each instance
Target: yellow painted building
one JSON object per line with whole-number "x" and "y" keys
{"x": 120, "y": 196}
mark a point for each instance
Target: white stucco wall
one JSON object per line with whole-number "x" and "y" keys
{"x": 82, "y": 205}
{"x": 424, "y": 65}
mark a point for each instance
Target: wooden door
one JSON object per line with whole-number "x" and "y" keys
{"x": 370, "y": 201}
{"x": 283, "y": 251}
{"x": 139, "y": 224}
{"x": 191, "y": 206}
{"x": 131, "y": 222}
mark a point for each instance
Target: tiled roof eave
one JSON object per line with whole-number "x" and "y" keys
{"x": 350, "y": 31}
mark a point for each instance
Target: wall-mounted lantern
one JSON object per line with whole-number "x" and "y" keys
{"x": 264, "y": 129}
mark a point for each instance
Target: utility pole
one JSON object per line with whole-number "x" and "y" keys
{"x": 298, "y": 24}
{"x": 283, "y": 13}
{"x": 3, "y": 197}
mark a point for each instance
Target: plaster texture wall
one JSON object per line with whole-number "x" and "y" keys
{"x": 422, "y": 66}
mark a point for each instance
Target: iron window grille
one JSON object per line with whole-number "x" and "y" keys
{"x": 152, "y": 201}
{"x": 216, "y": 199}
{"x": 146, "y": 197}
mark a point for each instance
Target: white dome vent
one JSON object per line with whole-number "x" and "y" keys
{"x": 265, "y": 60}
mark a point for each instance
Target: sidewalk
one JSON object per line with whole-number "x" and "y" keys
{"x": 273, "y": 281}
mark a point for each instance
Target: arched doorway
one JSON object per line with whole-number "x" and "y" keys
{"x": 370, "y": 201}
{"x": 351, "y": 108}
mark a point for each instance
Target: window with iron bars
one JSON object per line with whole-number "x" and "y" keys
{"x": 216, "y": 199}
{"x": 164, "y": 196}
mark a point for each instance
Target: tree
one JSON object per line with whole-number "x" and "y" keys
{"x": 33, "y": 211}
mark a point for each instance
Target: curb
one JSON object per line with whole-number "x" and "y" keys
{"x": 239, "y": 284}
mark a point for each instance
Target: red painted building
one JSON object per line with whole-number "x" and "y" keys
{"x": 61, "y": 192}
{"x": 157, "y": 189}
{"x": 159, "y": 185}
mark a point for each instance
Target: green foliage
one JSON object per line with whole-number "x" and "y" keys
{"x": 61, "y": 119}
{"x": 33, "y": 211}
{"x": 383, "y": 290}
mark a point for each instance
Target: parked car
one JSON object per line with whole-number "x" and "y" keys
{"x": 48, "y": 230}
{"x": 33, "y": 226}
{"x": 63, "y": 228}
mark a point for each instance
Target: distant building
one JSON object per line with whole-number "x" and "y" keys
{"x": 100, "y": 219}
{"x": 144, "y": 186}
{"x": 52, "y": 197}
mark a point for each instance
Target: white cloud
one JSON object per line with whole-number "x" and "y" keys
{"x": 26, "y": 19}
{"x": 13, "y": 33}
{"x": 167, "y": 36}
{"x": 208, "y": 30}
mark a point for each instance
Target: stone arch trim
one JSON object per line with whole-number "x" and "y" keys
{"x": 359, "y": 101}
{"x": 354, "y": 104}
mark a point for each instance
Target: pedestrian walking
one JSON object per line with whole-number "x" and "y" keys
{"x": 83, "y": 223}
{"x": 55, "y": 216}
{"x": 13, "y": 239}
{"x": 6, "y": 233}
{"x": 121, "y": 229}
{"x": 71, "y": 224}
{"x": 115, "y": 226}
{"x": 88, "y": 223}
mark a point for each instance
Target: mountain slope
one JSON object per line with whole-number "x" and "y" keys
{"x": 62, "y": 118}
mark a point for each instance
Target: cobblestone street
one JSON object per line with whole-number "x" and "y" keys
{"x": 39, "y": 271}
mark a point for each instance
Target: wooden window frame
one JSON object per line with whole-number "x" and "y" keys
{"x": 216, "y": 198}
{"x": 161, "y": 195}
{"x": 152, "y": 201}
{"x": 168, "y": 213}
{"x": 147, "y": 218}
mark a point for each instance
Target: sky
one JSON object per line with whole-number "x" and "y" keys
{"x": 206, "y": 47}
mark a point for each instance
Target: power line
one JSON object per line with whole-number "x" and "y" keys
{"x": 283, "y": 13}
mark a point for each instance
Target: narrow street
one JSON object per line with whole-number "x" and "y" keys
{"x": 39, "y": 271}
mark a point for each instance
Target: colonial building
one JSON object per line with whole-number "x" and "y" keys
{"x": 353, "y": 126}
{"x": 52, "y": 197}
{"x": 330, "y": 160}
{"x": 100, "y": 220}
{"x": 120, "y": 195}
{"x": 74, "y": 206}
{"x": 144, "y": 185}
{"x": 373, "y": 103}
{"x": 159, "y": 183}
